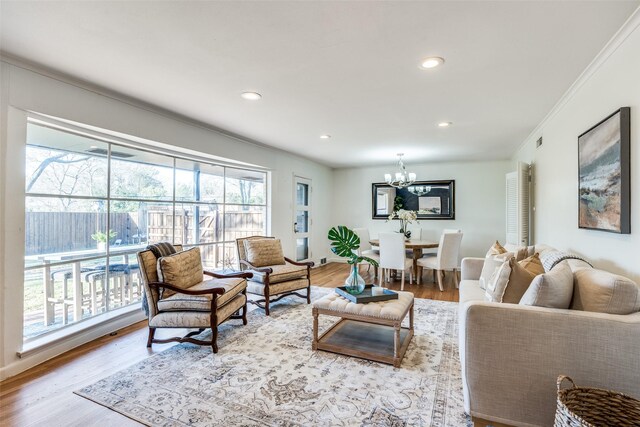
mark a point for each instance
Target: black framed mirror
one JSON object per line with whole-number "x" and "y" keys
{"x": 431, "y": 199}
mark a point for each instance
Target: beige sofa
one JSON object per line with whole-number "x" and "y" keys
{"x": 512, "y": 354}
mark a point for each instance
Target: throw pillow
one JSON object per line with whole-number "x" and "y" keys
{"x": 604, "y": 292}
{"x": 498, "y": 282}
{"x": 553, "y": 289}
{"x": 519, "y": 281}
{"x": 491, "y": 264}
{"x": 533, "y": 264}
{"x": 496, "y": 249}
{"x": 264, "y": 252}
{"x": 183, "y": 269}
{"x": 162, "y": 249}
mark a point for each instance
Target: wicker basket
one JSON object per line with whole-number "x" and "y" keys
{"x": 591, "y": 407}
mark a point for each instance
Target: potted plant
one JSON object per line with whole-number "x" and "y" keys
{"x": 103, "y": 238}
{"x": 345, "y": 243}
{"x": 406, "y": 217}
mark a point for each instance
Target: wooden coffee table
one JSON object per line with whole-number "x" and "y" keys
{"x": 369, "y": 331}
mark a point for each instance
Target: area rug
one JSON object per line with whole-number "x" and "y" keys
{"x": 266, "y": 374}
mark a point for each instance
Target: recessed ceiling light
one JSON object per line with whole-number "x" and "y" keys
{"x": 444, "y": 124}
{"x": 252, "y": 96}
{"x": 325, "y": 136}
{"x": 431, "y": 62}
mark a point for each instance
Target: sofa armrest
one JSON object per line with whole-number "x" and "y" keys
{"x": 512, "y": 354}
{"x": 471, "y": 268}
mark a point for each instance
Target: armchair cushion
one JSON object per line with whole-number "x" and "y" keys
{"x": 183, "y": 269}
{"x": 264, "y": 252}
{"x": 183, "y": 302}
{"x": 196, "y": 319}
{"x": 281, "y": 273}
{"x": 277, "y": 288}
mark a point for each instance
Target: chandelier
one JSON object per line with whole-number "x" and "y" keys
{"x": 420, "y": 190}
{"x": 402, "y": 178}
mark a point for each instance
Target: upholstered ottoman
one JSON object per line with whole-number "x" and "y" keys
{"x": 370, "y": 331}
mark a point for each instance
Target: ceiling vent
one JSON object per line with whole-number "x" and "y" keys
{"x": 103, "y": 152}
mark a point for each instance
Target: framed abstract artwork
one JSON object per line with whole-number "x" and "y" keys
{"x": 604, "y": 175}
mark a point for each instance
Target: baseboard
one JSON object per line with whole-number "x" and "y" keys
{"x": 42, "y": 354}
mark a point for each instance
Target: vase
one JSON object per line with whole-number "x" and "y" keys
{"x": 354, "y": 283}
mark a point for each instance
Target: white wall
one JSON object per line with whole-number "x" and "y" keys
{"x": 25, "y": 90}
{"x": 479, "y": 201}
{"x": 613, "y": 81}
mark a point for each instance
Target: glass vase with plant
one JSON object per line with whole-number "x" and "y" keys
{"x": 346, "y": 243}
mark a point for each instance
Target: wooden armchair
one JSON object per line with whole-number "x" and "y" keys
{"x": 273, "y": 273}
{"x": 179, "y": 296}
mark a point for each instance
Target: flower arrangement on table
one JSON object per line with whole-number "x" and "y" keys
{"x": 406, "y": 217}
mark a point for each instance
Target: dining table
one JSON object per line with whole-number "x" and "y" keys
{"x": 417, "y": 247}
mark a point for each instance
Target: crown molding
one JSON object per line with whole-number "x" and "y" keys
{"x": 628, "y": 28}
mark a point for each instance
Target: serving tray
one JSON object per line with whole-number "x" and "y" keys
{"x": 366, "y": 295}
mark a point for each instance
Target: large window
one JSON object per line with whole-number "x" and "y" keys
{"x": 91, "y": 205}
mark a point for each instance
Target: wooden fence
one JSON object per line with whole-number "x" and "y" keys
{"x": 50, "y": 232}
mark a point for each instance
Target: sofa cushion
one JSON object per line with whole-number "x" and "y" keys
{"x": 604, "y": 292}
{"x": 280, "y": 273}
{"x": 491, "y": 264}
{"x": 264, "y": 252}
{"x": 553, "y": 289}
{"x": 533, "y": 264}
{"x": 183, "y": 269}
{"x": 183, "y": 302}
{"x": 470, "y": 290}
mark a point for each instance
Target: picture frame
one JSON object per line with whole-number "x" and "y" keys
{"x": 434, "y": 199}
{"x": 604, "y": 175}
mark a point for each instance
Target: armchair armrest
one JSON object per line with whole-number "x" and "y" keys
{"x": 512, "y": 354}
{"x": 471, "y": 268}
{"x": 241, "y": 275}
{"x": 266, "y": 270}
{"x": 212, "y": 291}
{"x": 307, "y": 263}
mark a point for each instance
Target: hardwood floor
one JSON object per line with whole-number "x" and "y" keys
{"x": 44, "y": 395}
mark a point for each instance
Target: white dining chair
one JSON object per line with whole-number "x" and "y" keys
{"x": 365, "y": 248}
{"x": 445, "y": 260}
{"x": 393, "y": 257}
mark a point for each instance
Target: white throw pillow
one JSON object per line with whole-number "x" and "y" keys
{"x": 491, "y": 264}
{"x": 553, "y": 289}
{"x": 498, "y": 283}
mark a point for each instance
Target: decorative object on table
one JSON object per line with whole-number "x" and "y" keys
{"x": 402, "y": 178}
{"x": 406, "y": 218}
{"x": 345, "y": 243}
{"x": 367, "y": 295}
{"x": 103, "y": 238}
{"x": 590, "y": 407}
{"x": 604, "y": 175}
{"x": 430, "y": 199}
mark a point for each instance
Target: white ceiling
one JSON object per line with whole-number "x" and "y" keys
{"x": 349, "y": 69}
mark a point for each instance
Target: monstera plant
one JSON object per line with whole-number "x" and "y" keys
{"x": 345, "y": 243}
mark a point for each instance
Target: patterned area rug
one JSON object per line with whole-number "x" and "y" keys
{"x": 266, "y": 374}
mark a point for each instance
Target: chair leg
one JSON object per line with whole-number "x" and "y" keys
{"x": 455, "y": 277}
{"x": 440, "y": 277}
{"x": 419, "y": 278}
{"x": 402, "y": 281}
{"x": 214, "y": 326}
{"x": 380, "y": 273}
{"x": 433, "y": 273}
{"x": 152, "y": 332}
{"x": 309, "y": 291}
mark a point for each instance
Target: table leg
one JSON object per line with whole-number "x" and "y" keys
{"x": 417, "y": 254}
{"x": 314, "y": 344}
{"x": 49, "y": 307}
{"x": 77, "y": 292}
{"x": 396, "y": 341}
